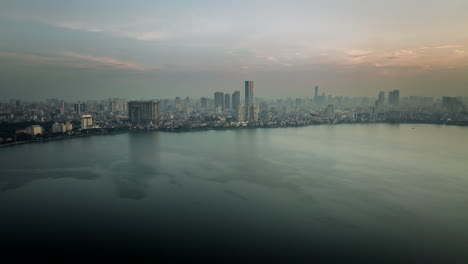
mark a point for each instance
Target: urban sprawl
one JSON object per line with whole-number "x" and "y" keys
{"x": 57, "y": 119}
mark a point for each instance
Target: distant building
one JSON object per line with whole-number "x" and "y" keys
{"x": 381, "y": 98}
{"x": 235, "y": 100}
{"x": 227, "y": 101}
{"x": 330, "y": 111}
{"x": 140, "y": 112}
{"x": 253, "y": 113}
{"x": 452, "y": 104}
{"x": 249, "y": 93}
{"x": 35, "y": 130}
{"x": 204, "y": 102}
{"x": 69, "y": 126}
{"x": 316, "y": 92}
{"x": 240, "y": 112}
{"x": 86, "y": 121}
{"x": 219, "y": 100}
{"x": 394, "y": 98}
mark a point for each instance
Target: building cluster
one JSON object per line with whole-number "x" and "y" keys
{"x": 224, "y": 110}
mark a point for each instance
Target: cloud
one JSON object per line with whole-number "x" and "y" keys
{"x": 107, "y": 61}
{"x": 75, "y": 60}
{"x": 448, "y": 47}
{"x": 356, "y": 53}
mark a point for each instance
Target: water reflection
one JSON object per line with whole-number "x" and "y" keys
{"x": 132, "y": 176}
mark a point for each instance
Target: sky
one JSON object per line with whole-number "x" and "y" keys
{"x": 141, "y": 49}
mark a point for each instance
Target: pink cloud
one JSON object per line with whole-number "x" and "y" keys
{"x": 107, "y": 61}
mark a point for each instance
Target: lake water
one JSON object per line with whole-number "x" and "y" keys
{"x": 372, "y": 193}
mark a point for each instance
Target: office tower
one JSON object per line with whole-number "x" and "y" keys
{"x": 219, "y": 100}
{"x": 253, "y": 113}
{"x": 381, "y": 98}
{"x": 249, "y": 92}
{"x": 235, "y": 99}
{"x": 143, "y": 111}
{"x": 316, "y": 91}
{"x": 394, "y": 98}
{"x": 204, "y": 102}
{"x": 227, "y": 101}
{"x": 86, "y": 121}
{"x": 177, "y": 100}
{"x": 240, "y": 112}
{"x": 77, "y": 108}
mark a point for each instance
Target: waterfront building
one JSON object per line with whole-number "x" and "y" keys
{"x": 249, "y": 93}
{"x": 86, "y": 121}
{"x": 219, "y": 100}
{"x": 240, "y": 113}
{"x": 253, "y": 113}
{"x": 35, "y": 130}
{"x": 394, "y": 98}
{"x": 143, "y": 111}
{"x": 235, "y": 100}
{"x": 227, "y": 101}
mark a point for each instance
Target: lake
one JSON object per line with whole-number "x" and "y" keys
{"x": 369, "y": 193}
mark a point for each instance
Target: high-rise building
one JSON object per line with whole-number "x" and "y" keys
{"x": 452, "y": 104}
{"x": 86, "y": 121}
{"x": 316, "y": 91}
{"x": 253, "y": 113}
{"x": 204, "y": 102}
{"x": 235, "y": 99}
{"x": 394, "y": 98}
{"x": 240, "y": 112}
{"x": 381, "y": 98}
{"x": 249, "y": 92}
{"x": 143, "y": 111}
{"x": 227, "y": 101}
{"x": 219, "y": 100}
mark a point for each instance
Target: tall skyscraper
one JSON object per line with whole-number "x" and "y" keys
{"x": 235, "y": 99}
{"x": 249, "y": 92}
{"x": 316, "y": 91}
{"x": 143, "y": 111}
{"x": 227, "y": 101}
{"x": 219, "y": 100}
{"x": 394, "y": 98}
{"x": 204, "y": 102}
{"x": 381, "y": 98}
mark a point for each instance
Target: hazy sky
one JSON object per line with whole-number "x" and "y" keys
{"x": 83, "y": 49}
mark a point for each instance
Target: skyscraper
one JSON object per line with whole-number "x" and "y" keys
{"x": 227, "y": 101}
{"x": 249, "y": 92}
{"x": 235, "y": 99}
{"x": 143, "y": 111}
{"x": 204, "y": 102}
{"x": 253, "y": 113}
{"x": 394, "y": 98}
{"x": 381, "y": 98}
{"x": 219, "y": 100}
{"x": 316, "y": 91}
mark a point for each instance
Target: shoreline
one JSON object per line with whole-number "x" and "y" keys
{"x": 101, "y": 133}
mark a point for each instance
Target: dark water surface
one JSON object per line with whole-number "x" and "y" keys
{"x": 346, "y": 193}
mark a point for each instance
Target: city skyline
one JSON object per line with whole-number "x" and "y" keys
{"x": 162, "y": 49}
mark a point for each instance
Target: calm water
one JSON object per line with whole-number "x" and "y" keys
{"x": 346, "y": 192}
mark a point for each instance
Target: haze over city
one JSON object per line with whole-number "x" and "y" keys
{"x": 157, "y": 49}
